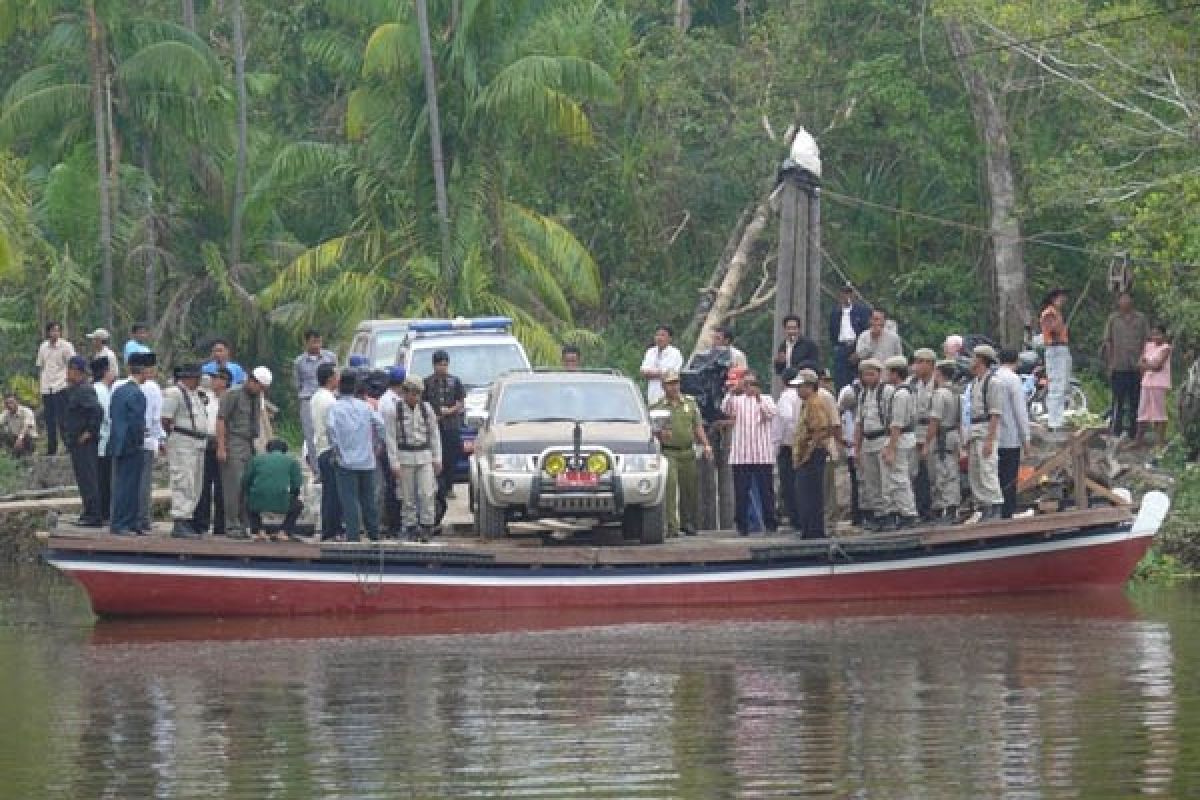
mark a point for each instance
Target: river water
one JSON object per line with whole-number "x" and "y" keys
{"x": 1077, "y": 696}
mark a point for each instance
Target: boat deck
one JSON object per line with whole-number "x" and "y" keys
{"x": 593, "y": 549}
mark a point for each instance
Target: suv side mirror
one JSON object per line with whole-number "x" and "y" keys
{"x": 477, "y": 418}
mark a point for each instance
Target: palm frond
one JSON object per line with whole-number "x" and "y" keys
{"x": 169, "y": 65}
{"x": 390, "y": 51}
{"x": 66, "y": 42}
{"x": 306, "y": 271}
{"x": 37, "y": 79}
{"x": 336, "y": 52}
{"x": 45, "y": 109}
{"x": 536, "y": 90}
{"x": 558, "y": 248}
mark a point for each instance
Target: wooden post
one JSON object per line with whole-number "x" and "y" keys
{"x": 813, "y": 326}
{"x": 798, "y": 268}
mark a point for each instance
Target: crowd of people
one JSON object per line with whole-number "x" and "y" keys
{"x": 384, "y": 445}
{"x": 374, "y": 440}
{"x": 902, "y": 427}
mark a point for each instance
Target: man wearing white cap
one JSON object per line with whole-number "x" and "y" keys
{"x": 983, "y": 463}
{"x": 239, "y": 423}
{"x": 871, "y": 431}
{"x": 100, "y": 349}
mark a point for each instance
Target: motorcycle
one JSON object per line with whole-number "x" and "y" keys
{"x": 1031, "y": 367}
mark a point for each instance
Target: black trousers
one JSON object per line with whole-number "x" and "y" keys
{"x": 810, "y": 494}
{"x": 393, "y": 510}
{"x": 295, "y": 509}
{"x": 843, "y": 370}
{"x": 922, "y": 493}
{"x": 1009, "y": 466}
{"x": 86, "y": 466}
{"x": 210, "y": 509}
{"x": 787, "y": 484}
{"x": 105, "y": 471}
{"x": 54, "y": 408}
{"x": 749, "y": 478}
{"x": 1126, "y": 392}
{"x": 451, "y": 451}
{"x": 331, "y": 504}
{"x": 127, "y": 486}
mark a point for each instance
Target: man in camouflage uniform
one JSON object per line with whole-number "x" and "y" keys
{"x": 678, "y": 439}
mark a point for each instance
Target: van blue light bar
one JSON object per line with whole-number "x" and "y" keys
{"x": 460, "y": 324}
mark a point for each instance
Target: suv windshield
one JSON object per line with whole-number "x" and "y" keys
{"x": 473, "y": 364}
{"x": 591, "y": 401}
{"x": 387, "y": 345}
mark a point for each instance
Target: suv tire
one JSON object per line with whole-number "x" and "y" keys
{"x": 490, "y": 520}
{"x": 648, "y": 524}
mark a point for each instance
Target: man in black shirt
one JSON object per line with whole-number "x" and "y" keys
{"x": 82, "y": 417}
{"x": 445, "y": 393}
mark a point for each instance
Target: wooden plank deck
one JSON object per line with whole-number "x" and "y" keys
{"x": 709, "y": 547}
{"x": 66, "y": 503}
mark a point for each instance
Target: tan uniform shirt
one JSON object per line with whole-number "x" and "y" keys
{"x": 982, "y": 408}
{"x": 902, "y": 413}
{"x": 191, "y": 415}
{"x": 52, "y": 361}
{"x": 871, "y": 415}
{"x": 923, "y": 397}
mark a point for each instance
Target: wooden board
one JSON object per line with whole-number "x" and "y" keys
{"x": 63, "y": 503}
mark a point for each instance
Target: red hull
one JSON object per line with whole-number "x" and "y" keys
{"x": 1106, "y": 561}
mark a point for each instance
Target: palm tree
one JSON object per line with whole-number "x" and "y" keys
{"x": 507, "y": 101}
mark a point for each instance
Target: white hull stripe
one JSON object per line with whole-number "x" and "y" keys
{"x": 372, "y": 576}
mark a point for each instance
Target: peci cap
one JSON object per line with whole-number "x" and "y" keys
{"x": 870, "y": 363}
{"x": 144, "y": 359}
{"x": 440, "y": 357}
{"x": 99, "y": 333}
{"x": 671, "y": 376}
{"x": 896, "y": 362}
{"x": 184, "y": 371}
{"x": 77, "y": 362}
{"x": 414, "y": 384}
{"x": 396, "y": 376}
{"x": 986, "y": 352}
{"x": 99, "y": 366}
{"x": 925, "y": 354}
{"x": 262, "y": 375}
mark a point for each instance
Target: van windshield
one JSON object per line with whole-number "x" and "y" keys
{"x": 474, "y": 364}
{"x": 387, "y": 345}
{"x": 543, "y": 401}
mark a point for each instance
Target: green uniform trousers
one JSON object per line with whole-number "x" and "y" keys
{"x": 238, "y": 452}
{"x": 681, "y": 490}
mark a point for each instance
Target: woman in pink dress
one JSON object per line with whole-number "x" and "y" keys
{"x": 1155, "y": 365}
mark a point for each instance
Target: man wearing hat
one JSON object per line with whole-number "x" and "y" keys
{"x": 210, "y": 509}
{"x": 126, "y": 443}
{"x": 678, "y": 440}
{"x": 239, "y": 423}
{"x": 847, "y": 321}
{"x": 82, "y": 419}
{"x": 415, "y": 452}
{"x": 871, "y": 436}
{"x": 100, "y": 349}
{"x": 983, "y": 453}
{"x": 185, "y": 421}
{"x": 942, "y": 444}
{"x": 447, "y": 396}
{"x": 900, "y": 451}
{"x": 922, "y": 385}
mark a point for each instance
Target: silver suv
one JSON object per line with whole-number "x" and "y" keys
{"x": 567, "y": 444}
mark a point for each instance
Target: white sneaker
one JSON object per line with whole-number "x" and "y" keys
{"x": 1029, "y": 512}
{"x": 974, "y": 518}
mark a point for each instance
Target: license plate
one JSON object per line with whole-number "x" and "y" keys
{"x": 577, "y": 480}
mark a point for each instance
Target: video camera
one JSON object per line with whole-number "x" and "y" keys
{"x": 704, "y": 379}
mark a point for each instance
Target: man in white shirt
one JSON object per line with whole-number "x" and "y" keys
{"x": 153, "y": 444}
{"x": 783, "y": 433}
{"x": 319, "y": 404}
{"x": 661, "y": 358}
{"x": 846, "y": 321}
{"x": 100, "y": 349}
{"x": 723, "y": 340}
{"x": 52, "y": 357}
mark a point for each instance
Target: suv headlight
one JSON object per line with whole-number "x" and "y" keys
{"x": 644, "y": 462}
{"x": 510, "y": 462}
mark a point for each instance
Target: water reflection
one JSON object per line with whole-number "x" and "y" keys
{"x": 1053, "y": 696}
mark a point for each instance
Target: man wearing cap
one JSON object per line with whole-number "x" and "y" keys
{"x": 900, "y": 451}
{"x": 678, "y": 440}
{"x": 139, "y": 336}
{"x": 82, "y": 418}
{"x": 239, "y": 423}
{"x": 415, "y": 452}
{"x": 210, "y": 508}
{"x": 126, "y": 444}
{"x": 783, "y": 432}
{"x": 811, "y": 447}
{"x": 52, "y": 357}
{"x": 18, "y": 427}
{"x": 942, "y": 444}
{"x": 104, "y": 374}
{"x": 185, "y": 421}
{"x": 986, "y": 409}
{"x": 871, "y": 432}
{"x": 846, "y": 323}
{"x": 100, "y": 349}
{"x": 304, "y": 373}
{"x": 447, "y": 396}
{"x": 922, "y": 386}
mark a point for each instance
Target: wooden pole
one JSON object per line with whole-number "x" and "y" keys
{"x": 813, "y": 317}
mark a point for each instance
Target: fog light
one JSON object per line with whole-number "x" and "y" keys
{"x": 508, "y": 486}
{"x": 644, "y": 486}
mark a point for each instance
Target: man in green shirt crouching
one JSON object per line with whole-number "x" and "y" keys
{"x": 272, "y": 485}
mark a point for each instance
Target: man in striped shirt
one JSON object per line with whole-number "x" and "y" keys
{"x": 751, "y": 454}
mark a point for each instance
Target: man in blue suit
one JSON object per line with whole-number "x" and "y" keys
{"x": 850, "y": 317}
{"x": 127, "y": 410}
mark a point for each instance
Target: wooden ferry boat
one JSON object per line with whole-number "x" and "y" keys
{"x": 161, "y": 576}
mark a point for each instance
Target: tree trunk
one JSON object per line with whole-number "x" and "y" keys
{"x": 189, "y": 15}
{"x": 727, "y": 292}
{"x": 97, "y": 61}
{"x": 683, "y": 15}
{"x": 239, "y": 176}
{"x": 1009, "y": 284}
{"x": 435, "y": 141}
{"x": 151, "y": 263}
